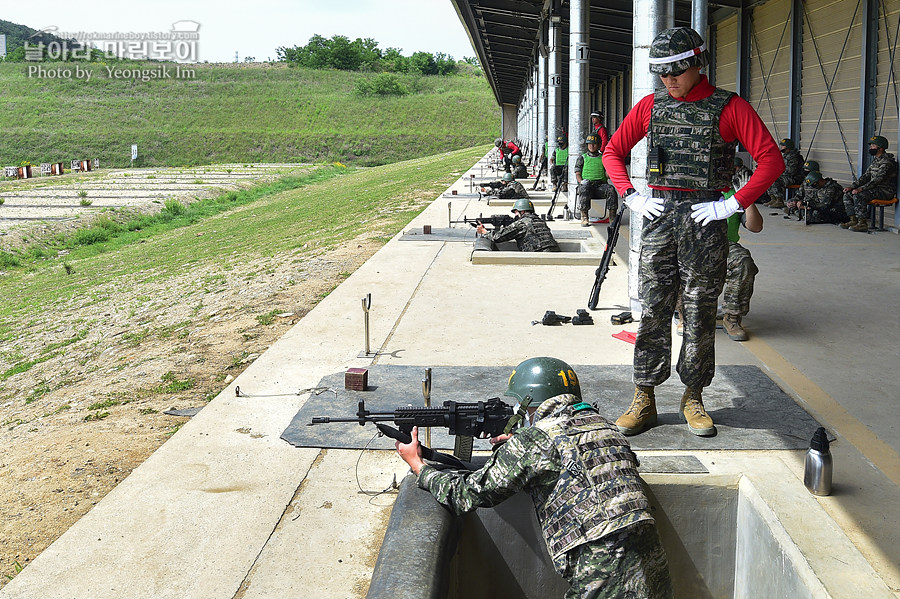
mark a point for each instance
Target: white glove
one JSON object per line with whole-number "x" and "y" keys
{"x": 649, "y": 208}
{"x": 706, "y": 212}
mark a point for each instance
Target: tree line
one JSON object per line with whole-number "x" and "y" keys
{"x": 340, "y": 53}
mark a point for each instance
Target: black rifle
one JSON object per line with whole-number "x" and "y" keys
{"x": 612, "y": 236}
{"x": 477, "y": 419}
{"x": 553, "y": 201}
{"x": 541, "y": 169}
{"x": 496, "y": 220}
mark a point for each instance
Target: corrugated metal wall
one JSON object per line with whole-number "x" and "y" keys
{"x": 886, "y": 109}
{"x": 829, "y": 125}
{"x": 726, "y": 54}
{"x": 770, "y": 62}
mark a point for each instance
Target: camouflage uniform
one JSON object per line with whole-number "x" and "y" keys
{"x": 530, "y": 232}
{"x": 793, "y": 175}
{"x": 512, "y": 190}
{"x": 591, "y": 188}
{"x": 740, "y": 272}
{"x": 878, "y": 183}
{"x": 823, "y": 205}
{"x": 521, "y": 172}
{"x": 677, "y": 253}
{"x": 558, "y": 172}
{"x": 589, "y": 498}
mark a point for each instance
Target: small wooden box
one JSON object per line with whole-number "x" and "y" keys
{"x": 356, "y": 379}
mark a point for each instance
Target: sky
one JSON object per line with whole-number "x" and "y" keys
{"x": 263, "y": 25}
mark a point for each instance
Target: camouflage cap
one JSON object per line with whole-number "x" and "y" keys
{"x": 787, "y": 142}
{"x": 811, "y": 165}
{"x": 596, "y": 114}
{"x": 879, "y": 141}
{"x": 592, "y": 139}
{"x": 677, "y": 49}
{"x": 813, "y": 177}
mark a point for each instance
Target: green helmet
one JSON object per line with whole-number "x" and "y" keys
{"x": 592, "y": 139}
{"x": 507, "y": 177}
{"x": 787, "y": 142}
{"x": 811, "y": 165}
{"x": 540, "y": 379}
{"x": 523, "y": 204}
{"x": 812, "y": 177}
{"x": 879, "y": 141}
{"x": 677, "y": 49}
{"x": 498, "y": 142}
{"x": 516, "y": 159}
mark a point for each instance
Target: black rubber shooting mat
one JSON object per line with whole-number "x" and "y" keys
{"x": 467, "y": 233}
{"x": 750, "y": 411}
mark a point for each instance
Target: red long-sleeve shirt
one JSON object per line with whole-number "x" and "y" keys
{"x": 738, "y": 121}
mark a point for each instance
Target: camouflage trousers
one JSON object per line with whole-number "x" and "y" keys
{"x": 778, "y": 188}
{"x": 858, "y": 204}
{"x": 630, "y": 564}
{"x": 590, "y": 190}
{"x": 678, "y": 254}
{"x": 558, "y": 174}
{"x": 740, "y": 274}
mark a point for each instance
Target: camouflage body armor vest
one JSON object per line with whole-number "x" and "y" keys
{"x": 599, "y": 490}
{"x": 540, "y": 237}
{"x": 693, "y": 153}
{"x": 593, "y": 168}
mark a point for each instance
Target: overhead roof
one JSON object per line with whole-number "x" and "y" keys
{"x": 506, "y": 37}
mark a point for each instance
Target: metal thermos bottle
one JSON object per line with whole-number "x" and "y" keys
{"x": 817, "y": 470}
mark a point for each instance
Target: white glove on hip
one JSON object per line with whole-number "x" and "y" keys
{"x": 649, "y": 208}
{"x": 706, "y": 212}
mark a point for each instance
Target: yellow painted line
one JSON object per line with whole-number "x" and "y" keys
{"x": 829, "y": 410}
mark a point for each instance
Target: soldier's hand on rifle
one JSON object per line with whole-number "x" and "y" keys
{"x": 649, "y": 208}
{"x": 480, "y": 229}
{"x": 499, "y": 439}
{"x": 411, "y": 452}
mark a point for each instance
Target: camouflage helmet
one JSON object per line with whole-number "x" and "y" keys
{"x": 811, "y": 165}
{"x": 738, "y": 161}
{"x": 498, "y": 142}
{"x": 879, "y": 141}
{"x": 812, "y": 177}
{"x": 677, "y": 49}
{"x": 516, "y": 159}
{"x": 523, "y": 204}
{"x": 593, "y": 138}
{"x": 787, "y": 142}
{"x": 540, "y": 379}
{"x": 507, "y": 177}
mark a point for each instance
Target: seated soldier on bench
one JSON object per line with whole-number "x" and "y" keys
{"x": 592, "y": 181}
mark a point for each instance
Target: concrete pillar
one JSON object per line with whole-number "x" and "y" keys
{"x": 509, "y": 124}
{"x": 554, "y": 81}
{"x": 699, "y": 17}
{"x": 650, "y": 18}
{"x": 542, "y": 93}
{"x": 579, "y": 85}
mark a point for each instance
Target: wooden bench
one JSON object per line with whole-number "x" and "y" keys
{"x": 880, "y": 206}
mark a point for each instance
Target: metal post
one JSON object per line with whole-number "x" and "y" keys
{"x": 426, "y": 392}
{"x": 542, "y": 92}
{"x": 699, "y": 18}
{"x": 579, "y": 61}
{"x": 366, "y": 305}
{"x": 650, "y": 18}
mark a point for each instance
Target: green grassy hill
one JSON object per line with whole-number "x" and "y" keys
{"x": 231, "y": 113}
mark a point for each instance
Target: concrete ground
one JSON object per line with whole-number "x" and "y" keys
{"x": 226, "y": 508}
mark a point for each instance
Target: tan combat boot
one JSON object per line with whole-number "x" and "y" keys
{"x": 733, "y": 328}
{"x": 585, "y": 221}
{"x": 850, "y": 223}
{"x": 695, "y": 415}
{"x": 640, "y": 414}
{"x": 862, "y": 225}
{"x": 776, "y": 203}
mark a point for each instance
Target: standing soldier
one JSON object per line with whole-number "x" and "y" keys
{"x": 684, "y": 243}
{"x": 599, "y": 129}
{"x": 878, "y": 183}
{"x": 558, "y": 174}
{"x": 793, "y": 173}
{"x": 592, "y": 181}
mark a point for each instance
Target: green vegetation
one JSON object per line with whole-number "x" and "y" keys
{"x": 301, "y": 217}
{"x": 237, "y": 113}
